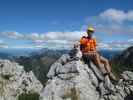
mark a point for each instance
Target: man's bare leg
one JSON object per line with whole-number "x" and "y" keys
{"x": 106, "y": 64}
{"x": 98, "y": 62}
{"x": 108, "y": 67}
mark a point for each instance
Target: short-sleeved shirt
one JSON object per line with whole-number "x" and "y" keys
{"x": 87, "y": 44}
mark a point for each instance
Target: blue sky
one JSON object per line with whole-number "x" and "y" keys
{"x": 50, "y": 23}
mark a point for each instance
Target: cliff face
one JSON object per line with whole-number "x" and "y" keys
{"x": 71, "y": 79}
{"x": 14, "y": 81}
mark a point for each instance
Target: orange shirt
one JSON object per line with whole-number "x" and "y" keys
{"x": 87, "y": 44}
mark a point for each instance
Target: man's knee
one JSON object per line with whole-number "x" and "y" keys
{"x": 97, "y": 55}
{"x": 104, "y": 59}
{"x": 107, "y": 62}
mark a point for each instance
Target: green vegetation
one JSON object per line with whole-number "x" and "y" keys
{"x": 119, "y": 68}
{"x": 116, "y": 69}
{"x": 30, "y": 96}
{"x": 6, "y": 77}
{"x": 123, "y": 61}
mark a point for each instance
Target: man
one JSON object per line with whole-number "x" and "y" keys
{"x": 88, "y": 49}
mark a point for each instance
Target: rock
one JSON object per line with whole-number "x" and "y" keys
{"x": 64, "y": 59}
{"x": 52, "y": 71}
{"x": 76, "y": 85}
{"x": 72, "y": 79}
{"x": 14, "y": 81}
{"x": 127, "y": 75}
{"x": 70, "y": 67}
{"x": 127, "y": 90}
{"x": 97, "y": 72}
{"x": 108, "y": 84}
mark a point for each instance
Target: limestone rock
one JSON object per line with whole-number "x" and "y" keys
{"x": 15, "y": 81}
{"x": 71, "y": 79}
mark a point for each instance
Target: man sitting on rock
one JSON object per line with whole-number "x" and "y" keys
{"x": 88, "y": 49}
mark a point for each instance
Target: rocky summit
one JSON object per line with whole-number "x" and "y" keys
{"x": 72, "y": 79}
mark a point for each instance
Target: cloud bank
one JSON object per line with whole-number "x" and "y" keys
{"x": 117, "y": 15}
{"x": 48, "y": 40}
{"x": 61, "y": 40}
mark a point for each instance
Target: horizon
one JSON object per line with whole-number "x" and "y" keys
{"x": 17, "y": 52}
{"x": 37, "y": 24}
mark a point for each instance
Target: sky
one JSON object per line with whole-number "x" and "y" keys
{"x": 60, "y": 23}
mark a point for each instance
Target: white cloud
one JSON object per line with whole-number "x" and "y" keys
{"x": 58, "y": 39}
{"x": 115, "y": 28}
{"x": 112, "y": 21}
{"x": 69, "y": 36}
{"x": 14, "y": 35}
{"x": 130, "y": 15}
{"x": 121, "y": 44}
{"x": 22, "y": 47}
{"x": 117, "y": 15}
{"x": 103, "y": 45}
{"x": 63, "y": 40}
{"x": 3, "y": 45}
{"x": 130, "y": 40}
{"x": 114, "y": 45}
{"x": 49, "y": 39}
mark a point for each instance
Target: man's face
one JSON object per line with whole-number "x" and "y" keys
{"x": 89, "y": 34}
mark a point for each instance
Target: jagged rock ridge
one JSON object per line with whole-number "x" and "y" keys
{"x": 14, "y": 81}
{"x": 71, "y": 79}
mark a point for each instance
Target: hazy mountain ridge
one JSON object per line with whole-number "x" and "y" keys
{"x": 40, "y": 62}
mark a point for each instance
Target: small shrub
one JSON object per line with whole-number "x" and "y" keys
{"x": 6, "y": 77}
{"x": 30, "y": 96}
